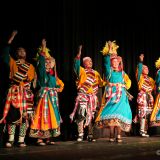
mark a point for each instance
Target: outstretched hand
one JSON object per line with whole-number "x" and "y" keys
{"x": 80, "y": 47}
{"x": 79, "y": 51}
{"x": 141, "y": 57}
{"x": 13, "y": 34}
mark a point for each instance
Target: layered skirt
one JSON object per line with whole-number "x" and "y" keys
{"x": 46, "y": 120}
{"x": 113, "y": 113}
{"x": 155, "y": 115}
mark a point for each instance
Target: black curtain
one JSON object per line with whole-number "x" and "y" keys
{"x": 68, "y": 23}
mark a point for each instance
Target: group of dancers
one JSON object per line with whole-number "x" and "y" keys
{"x": 39, "y": 113}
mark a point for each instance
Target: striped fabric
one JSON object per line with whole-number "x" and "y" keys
{"x": 89, "y": 83}
{"x": 146, "y": 86}
{"x": 21, "y": 74}
{"x": 85, "y": 106}
{"x": 18, "y": 96}
{"x": 145, "y": 99}
{"x": 47, "y": 92}
{"x": 145, "y": 103}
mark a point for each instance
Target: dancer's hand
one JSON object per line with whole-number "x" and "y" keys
{"x": 14, "y": 33}
{"x": 141, "y": 57}
{"x": 79, "y": 51}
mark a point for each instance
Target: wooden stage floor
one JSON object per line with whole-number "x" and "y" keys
{"x": 132, "y": 148}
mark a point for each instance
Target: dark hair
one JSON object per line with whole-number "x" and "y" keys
{"x": 20, "y": 48}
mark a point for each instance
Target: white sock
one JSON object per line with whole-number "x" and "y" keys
{"x": 11, "y": 138}
{"x": 21, "y": 139}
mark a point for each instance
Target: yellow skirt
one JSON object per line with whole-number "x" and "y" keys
{"x": 45, "y": 126}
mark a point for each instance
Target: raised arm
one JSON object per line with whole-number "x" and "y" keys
{"x": 44, "y": 44}
{"x": 43, "y": 48}
{"x": 41, "y": 71}
{"x": 6, "y": 50}
{"x": 14, "y": 33}
{"x": 107, "y": 66}
{"x": 140, "y": 66}
{"x": 77, "y": 61}
{"x": 110, "y": 49}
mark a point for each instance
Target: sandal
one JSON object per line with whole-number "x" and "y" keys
{"x": 9, "y": 144}
{"x": 50, "y": 143}
{"x": 90, "y": 138}
{"x": 119, "y": 140}
{"x": 21, "y": 144}
{"x": 40, "y": 142}
{"x": 111, "y": 138}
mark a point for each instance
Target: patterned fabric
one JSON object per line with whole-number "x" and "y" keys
{"x": 17, "y": 96}
{"x": 11, "y": 129}
{"x": 80, "y": 128}
{"x": 155, "y": 116}
{"x": 85, "y": 107}
{"x": 46, "y": 120}
{"x": 115, "y": 109}
{"x": 117, "y": 94}
{"x": 114, "y": 121}
{"x": 43, "y": 134}
{"x": 21, "y": 74}
{"x": 146, "y": 86}
{"x": 46, "y": 92}
{"x": 145, "y": 99}
{"x": 158, "y": 82}
{"x": 145, "y": 104}
{"x": 19, "y": 100}
{"x": 22, "y": 129}
{"x": 88, "y": 80}
{"x": 89, "y": 83}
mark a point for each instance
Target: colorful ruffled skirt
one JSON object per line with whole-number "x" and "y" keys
{"x": 115, "y": 114}
{"x": 155, "y": 115}
{"x": 46, "y": 120}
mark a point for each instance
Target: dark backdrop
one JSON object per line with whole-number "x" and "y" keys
{"x": 69, "y": 23}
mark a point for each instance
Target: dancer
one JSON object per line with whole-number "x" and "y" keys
{"x": 19, "y": 103}
{"x": 88, "y": 82}
{"x": 115, "y": 111}
{"x": 47, "y": 119}
{"x": 145, "y": 98}
{"x": 155, "y": 115}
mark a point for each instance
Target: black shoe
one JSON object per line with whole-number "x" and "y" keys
{"x": 90, "y": 138}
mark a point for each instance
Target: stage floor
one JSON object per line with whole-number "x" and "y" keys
{"x": 132, "y": 148}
